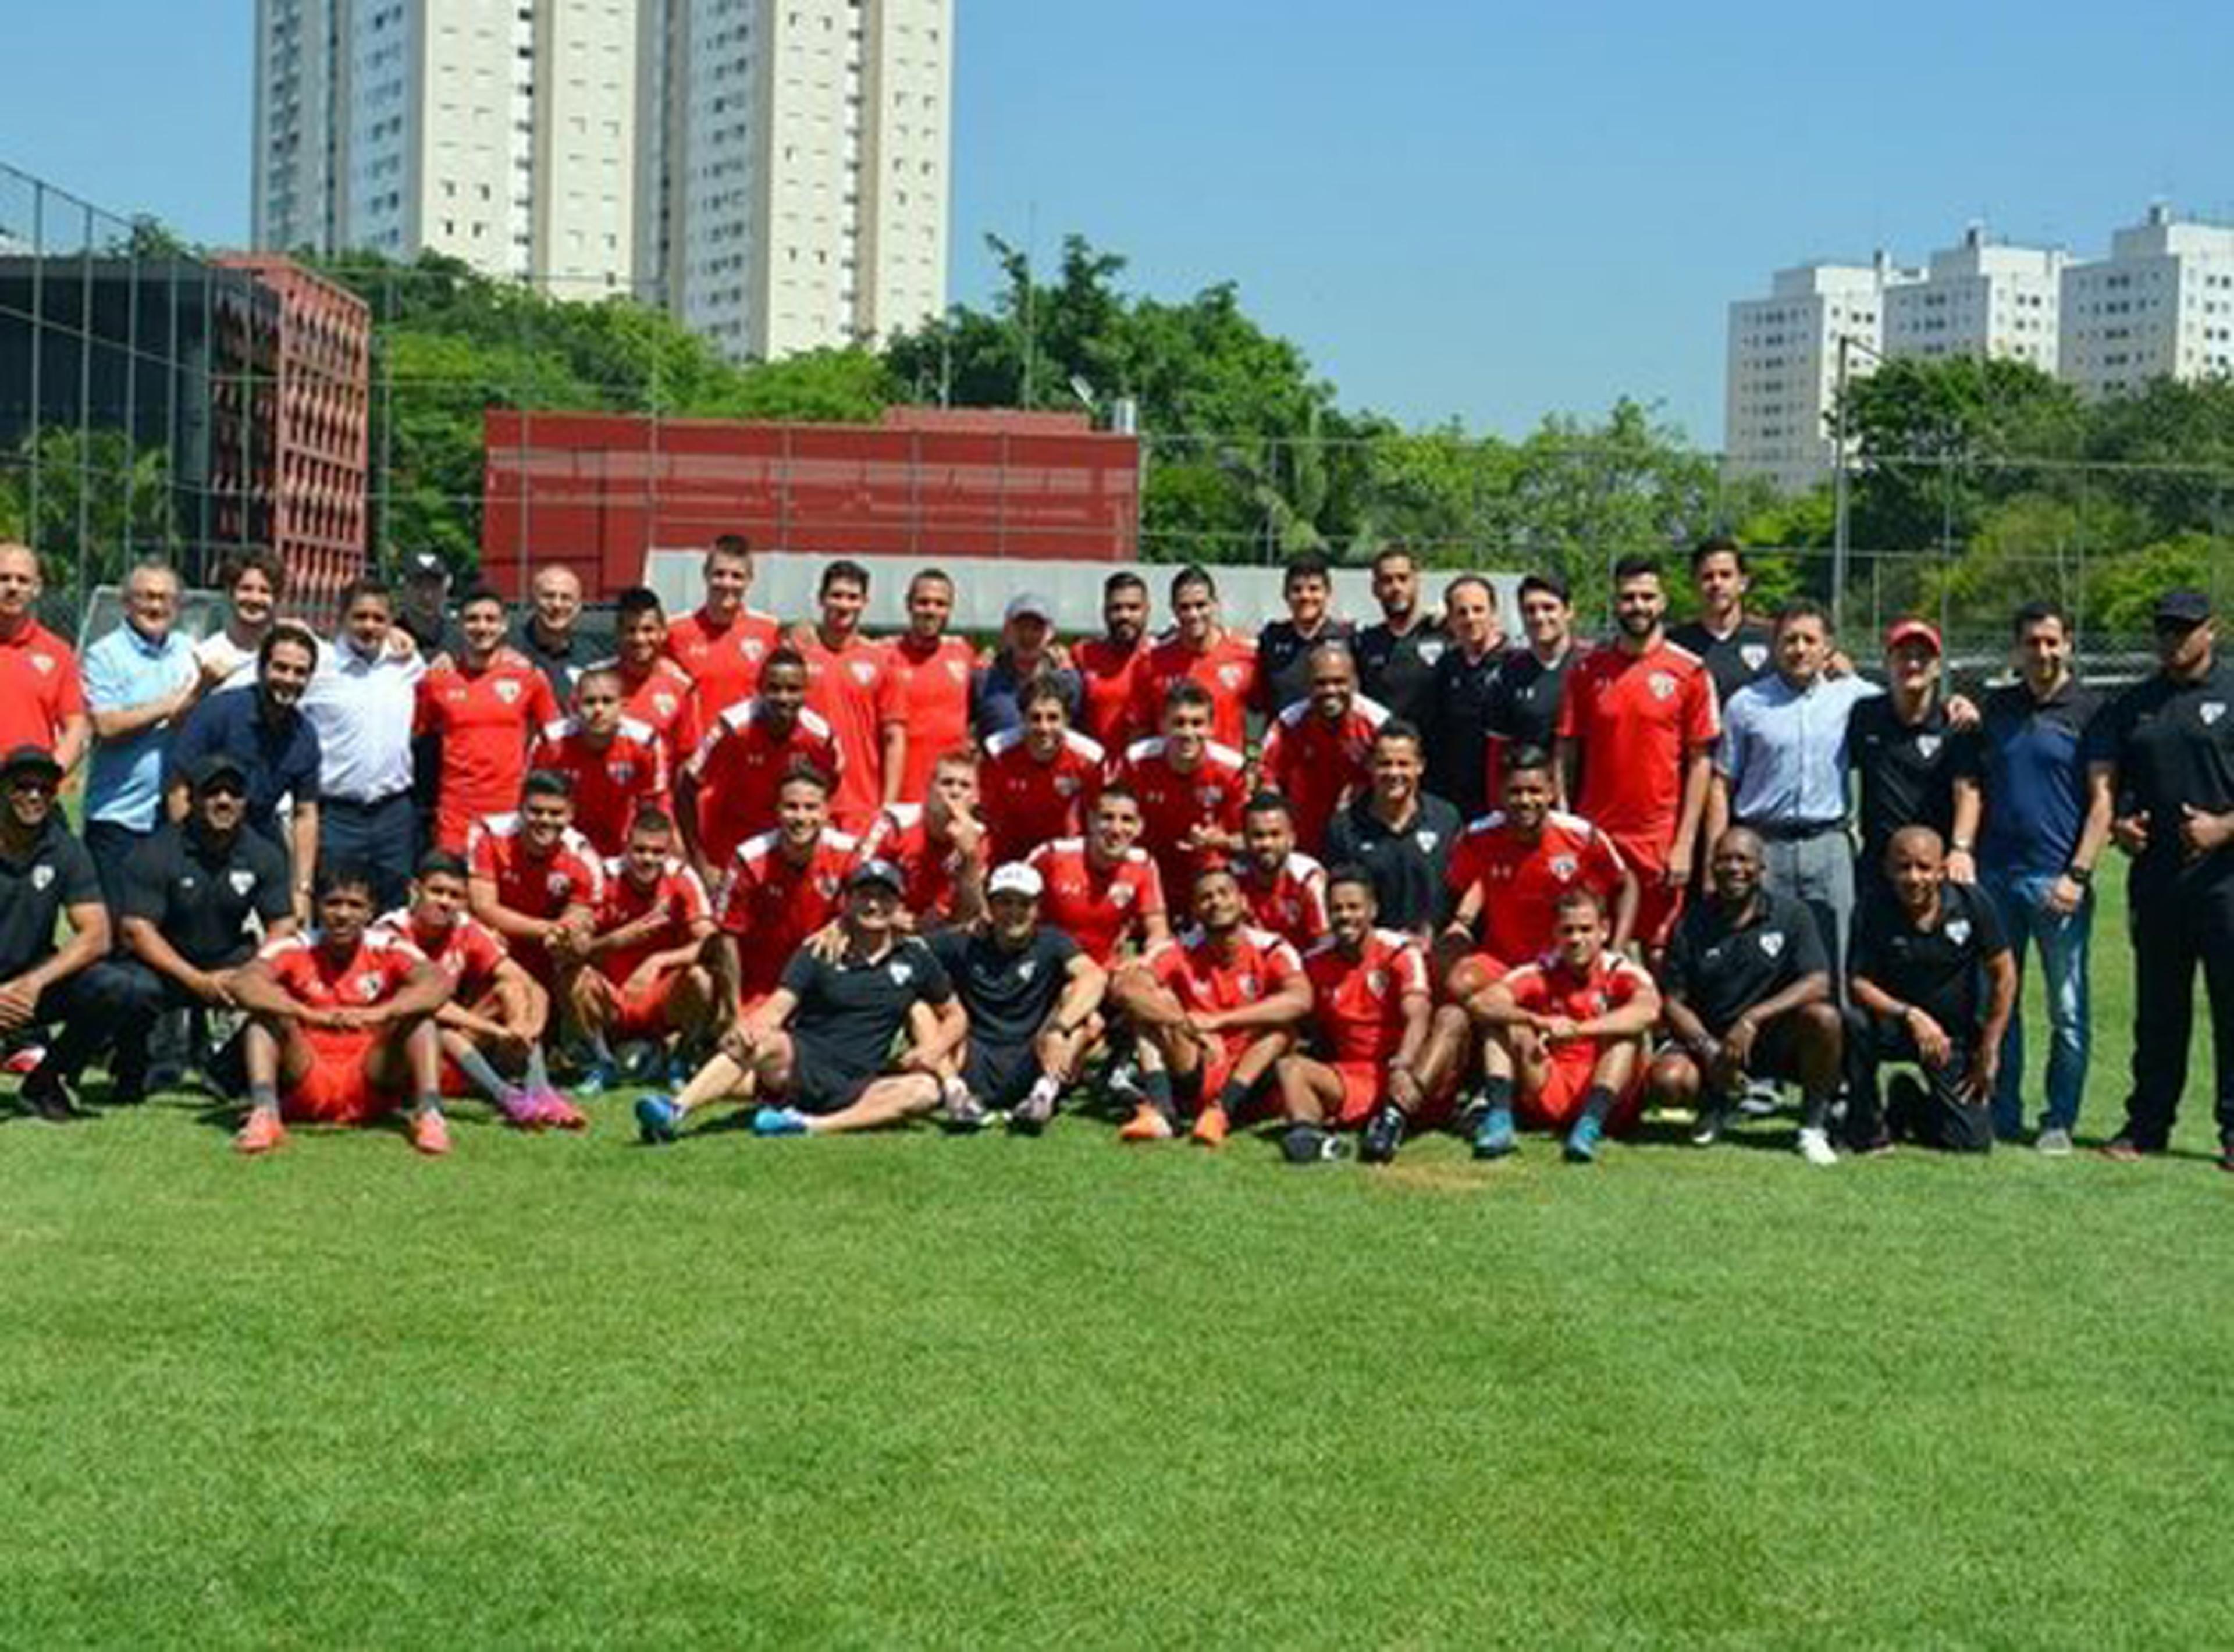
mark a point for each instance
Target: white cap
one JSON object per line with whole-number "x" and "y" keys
{"x": 1016, "y": 878}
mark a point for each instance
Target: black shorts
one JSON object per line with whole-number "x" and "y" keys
{"x": 1000, "y": 1075}
{"x": 820, "y": 1083}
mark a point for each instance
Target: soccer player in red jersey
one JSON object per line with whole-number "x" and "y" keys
{"x": 1567, "y": 1038}
{"x": 616, "y": 765}
{"x": 1218, "y": 1006}
{"x": 648, "y": 978}
{"x": 1192, "y": 789}
{"x": 655, "y": 690}
{"x": 780, "y": 888}
{"x": 726, "y": 793}
{"x": 934, "y": 682}
{"x": 1103, "y": 889}
{"x": 341, "y": 1025}
{"x": 485, "y": 705}
{"x": 41, "y": 696}
{"x": 1109, "y": 665}
{"x": 1317, "y": 753}
{"x": 536, "y": 881}
{"x": 854, "y": 685}
{"x": 1384, "y": 1056}
{"x": 938, "y": 845}
{"x": 493, "y": 1026}
{"x": 1283, "y": 888}
{"x": 1637, "y": 722}
{"x": 1038, "y": 782}
{"x": 722, "y": 645}
{"x": 1202, "y": 651}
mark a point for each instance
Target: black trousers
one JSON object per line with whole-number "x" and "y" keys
{"x": 111, "y": 845}
{"x": 88, "y": 1007}
{"x": 2177, "y": 926}
{"x": 1932, "y": 1108}
{"x": 380, "y": 836}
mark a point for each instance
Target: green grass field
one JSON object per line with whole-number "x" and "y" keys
{"x": 928, "y": 1389}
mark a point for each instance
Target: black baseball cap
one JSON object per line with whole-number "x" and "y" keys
{"x": 2182, "y": 607}
{"x": 876, "y": 871}
{"x": 29, "y": 760}
{"x": 209, "y": 767}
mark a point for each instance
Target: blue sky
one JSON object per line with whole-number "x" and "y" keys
{"x": 1480, "y": 210}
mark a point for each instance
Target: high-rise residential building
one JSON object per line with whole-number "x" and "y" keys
{"x": 775, "y": 172}
{"x": 1782, "y": 370}
{"x": 2160, "y": 306}
{"x": 1981, "y": 299}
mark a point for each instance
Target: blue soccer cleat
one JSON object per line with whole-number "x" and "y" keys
{"x": 656, "y": 1119}
{"x": 1582, "y": 1147}
{"x": 778, "y": 1121}
{"x": 1493, "y": 1136}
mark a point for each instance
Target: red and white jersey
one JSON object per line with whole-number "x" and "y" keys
{"x": 1098, "y": 907}
{"x": 1109, "y": 690}
{"x": 739, "y": 766}
{"x": 1312, "y": 762}
{"x": 665, "y": 700}
{"x": 371, "y": 972}
{"x": 773, "y": 906}
{"x": 934, "y": 699}
{"x": 539, "y": 887}
{"x": 1213, "y": 793}
{"x": 484, "y": 719}
{"x": 467, "y": 950}
{"x": 1227, "y": 667}
{"x": 612, "y": 783}
{"x": 1551, "y": 987}
{"x": 1357, "y": 1004}
{"x": 40, "y": 688}
{"x": 1027, "y": 801}
{"x": 1522, "y": 882}
{"x": 1290, "y": 901}
{"x": 901, "y": 835}
{"x": 724, "y": 662}
{"x": 678, "y": 892}
{"x": 1259, "y": 964}
{"x": 1632, "y": 717}
{"x": 856, "y": 690}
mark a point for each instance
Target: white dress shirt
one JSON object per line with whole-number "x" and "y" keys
{"x": 363, "y": 710}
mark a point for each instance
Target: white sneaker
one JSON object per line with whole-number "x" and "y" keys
{"x": 1815, "y": 1147}
{"x": 2055, "y": 1144}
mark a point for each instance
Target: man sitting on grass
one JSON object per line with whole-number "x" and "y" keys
{"x": 1032, "y": 997}
{"x": 1746, "y": 987}
{"x": 1934, "y": 983}
{"x": 648, "y": 981}
{"x": 816, "y": 1049}
{"x": 492, "y": 1028}
{"x": 1566, "y": 1039}
{"x": 342, "y": 1024}
{"x": 1218, "y": 1006}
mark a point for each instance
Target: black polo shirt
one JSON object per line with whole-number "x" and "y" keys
{"x": 561, "y": 666}
{"x": 1907, "y": 771}
{"x": 2172, "y": 743}
{"x": 1407, "y": 866}
{"x": 1284, "y": 660}
{"x": 1941, "y": 970}
{"x": 1722, "y": 970}
{"x": 199, "y": 892}
{"x": 55, "y": 873}
{"x": 850, "y": 1011}
{"x": 1457, "y": 729}
{"x": 1732, "y": 661}
{"x": 279, "y": 760}
{"x": 1523, "y": 697}
{"x": 1399, "y": 671}
{"x": 1009, "y": 994}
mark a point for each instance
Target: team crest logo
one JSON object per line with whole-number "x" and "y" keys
{"x": 1959, "y": 930}
{"x": 864, "y": 672}
{"x": 367, "y": 988}
{"x": 1564, "y": 868}
{"x": 1028, "y": 968}
{"x": 507, "y": 691}
{"x": 1229, "y": 677}
{"x": 2211, "y": 711}
{"x": 827, "y": 885}
{"x": 1376, "y": 983}
{"x": 1120, "y": 895}
{"x": 1773, "y": 943}
{"x": 1431, "y": 650}
{"x": 558, "y": 883}
{"x": 43, "y": 664}
{"x": 754, "y": 648}
{"x": 1248, "y": 986}
{"x": 956, "y": 669}
{"x": 620, "y": 773}
{"x": 1066, "y": 785}
{"x": 1662, "y": 685}
{"x": 1755, "y": 655}
{"x": 1426, "y": 841}
{"x": 41, "y": 876}
{"x": 242, "y": 880}
{"x": 900, "y": 973}
{"x": 1211, "y": 795}
{"x": 1927, "y": 746}
{"x": 666, "y": 704}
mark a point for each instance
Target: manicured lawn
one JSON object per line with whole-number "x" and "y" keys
{"x": 929, "y": 1389}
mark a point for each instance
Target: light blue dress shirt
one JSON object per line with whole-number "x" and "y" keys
{"x": 124, "y": 785}
{"x": 1783, "y": 749}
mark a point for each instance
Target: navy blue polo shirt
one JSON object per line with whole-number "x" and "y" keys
{"x": 2028, "y": 757}
{"x": 277, "y": 762}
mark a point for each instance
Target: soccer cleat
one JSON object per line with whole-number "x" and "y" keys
{"x": 1029, "y": 1116}
{"x": 2122, "y": 1150}
{"x": 1493, "y": 1136}
{"x": 2055, "y": 1142}
{"x": 24, "y": 1060}
{"x": 778, "y": 1121}
{"x": 963, "y": 1110}
{"x": 1306, "y": 1144}
{"x": 1582, "y": 1147}
{"x": 50, "y": 1099}
{"x": 262, "y": 1134}
{"x": 1382, "y": 1135}
{"x": 430, "y": 1133}
{"x": 1146, "y": 1124}
{"x": 595, "y": 1079}
{"x": 1707, "y": 1129}
{"x": 1815, "y": 1147}
{"x": 519, "y": 1110}
{"x": 1761, "y": 1100}
{"x": 552, "y": 1110}
{"x": 656, "y": 1118}
{"x": 1209, "y": 1126}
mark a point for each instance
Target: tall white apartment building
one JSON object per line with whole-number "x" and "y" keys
{"x": 1980, "y": 299}
{"x": 1782, "y": 368}
{"x": 775, "y": 172}
{"x": 2160, "y": 306}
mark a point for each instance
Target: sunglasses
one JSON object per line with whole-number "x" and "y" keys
{"x": 232, "y": 789}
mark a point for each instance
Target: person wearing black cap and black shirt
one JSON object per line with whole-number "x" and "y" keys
{"x": 1933, "y": 983}
{"x": 1397, "y": 658}
{"x": 2164, "y": 755}
{"x": 816, "y": 1046}
{"x": 45, "y": 876}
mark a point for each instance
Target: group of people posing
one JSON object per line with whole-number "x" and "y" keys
{"x": 1352, "y": 881}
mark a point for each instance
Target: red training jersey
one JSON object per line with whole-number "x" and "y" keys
{"x": 1313, "y": 762}
{"x": 1227, "y": 667}
{"x": 1028, "y": 801}
{"x": 1357, "y": 1004}
{"x": 1099, "y": 907}
{"x": 1108, "y": 690}
{"x": 1553, "y": 986}
{"x": 664, "y": 700}
{"x": 539, "y": 887}
{"x": 934, "y": 701}
{"x": 467, "y": 950}
{"x": 1632, "y": 718}
{"x": 724, "y": 661}
{"x": 40, "y": 689}
{"x": 612, "y": 782}
{"x": 1258, "y": 964}
{"x": 1521, "y": 881}
{"x": 678, "y": 892}
{"x": 773, "y": 904}
{"x": 739, "y": 765}
{"x": 855, "y": 690}
{"x": 1290, "y": 901}
{"x": 901, "y": 835}
{"x": 371, "y": 972}
{"x": 1213, "y": 793}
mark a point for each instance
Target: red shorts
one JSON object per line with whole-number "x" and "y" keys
{"x": 1364, "y": 1087}
{"x": 1226, "y": 1049}
{"x": 1556, "y": 1105}
{"x": 335, "y": 1089}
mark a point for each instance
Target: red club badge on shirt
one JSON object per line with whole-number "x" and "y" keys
{"x": 1564, "y": 868}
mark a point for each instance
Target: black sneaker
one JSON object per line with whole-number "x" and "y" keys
{"x": 1306, "y": 1144}
{"x": 1382, "y": 1135}
{"x": 1711, "y": 1122}
{"x": 49, "y": 1099}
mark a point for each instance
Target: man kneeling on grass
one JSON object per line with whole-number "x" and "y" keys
{"x": 1566, "y": 1040}
{"x": 1218, "y": 1007}
{"x": 342, "y": 1024}
{"x": 816, "y": 1049}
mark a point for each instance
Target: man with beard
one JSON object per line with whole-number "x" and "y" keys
{"x": 938, "y": 845}
{"x": 1285, "y": 889}
{"x": 264, "y": 731}
{"x": 726, "y": 795}
{"x": 655, "y": 690}
{"x": 1287, "y": 648}
{"x": 1202, "y": 652}
{"x": 1039, "y": 780}
{"x": 1109, "y": 665}
{"x": 616, "y": 767}
{"x": 723, "y": 644}
{"x": 484, "y": 704}
{"x": 1400, "y": 835}
{"x": 1397, "y": 658}
{"x": 1734, "y": 648}
{"x": 1457, "y": 719}
{"x": 1316, "y": 751}
{"x": 935, "y": 669}
{"x": 1103, "y": 889}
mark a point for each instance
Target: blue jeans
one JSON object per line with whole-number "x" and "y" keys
{"x": 2021, "y": 898}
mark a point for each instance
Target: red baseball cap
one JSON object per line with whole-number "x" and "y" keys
{"x": 1912, "y": 631}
